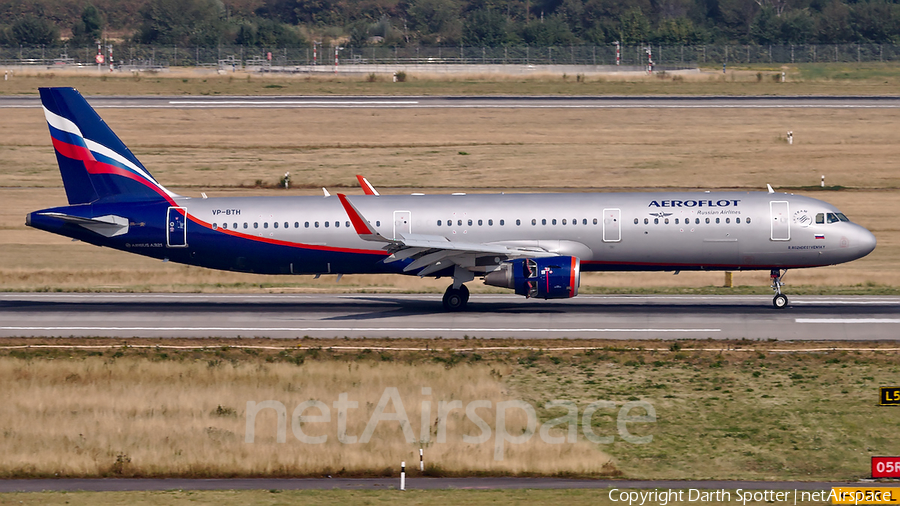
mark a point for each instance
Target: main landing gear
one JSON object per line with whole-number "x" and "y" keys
{"x": 455, "y": 299}
{"x": 780, "y": 301}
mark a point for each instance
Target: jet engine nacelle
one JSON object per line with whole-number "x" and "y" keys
{"x": 542, "y": 278}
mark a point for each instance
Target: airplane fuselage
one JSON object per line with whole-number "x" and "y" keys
{"x": 606, "y": 231}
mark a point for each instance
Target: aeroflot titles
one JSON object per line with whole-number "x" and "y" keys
{"x": 693, "y": 203}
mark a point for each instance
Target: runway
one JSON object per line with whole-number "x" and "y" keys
{"x": 124, "y": 484}
{"x": 485, "y": 102}
{"x": 814, "y": 318}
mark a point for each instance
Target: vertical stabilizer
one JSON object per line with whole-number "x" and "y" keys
{"x": 94, "y": 163}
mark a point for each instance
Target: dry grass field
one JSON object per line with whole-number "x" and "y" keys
{"x": 225, "y": 152}
{"x": 336, "y": 497}
{"x": 186, "y": 415}
{"x": 801, "y": 79}
{"x": 740, "y": 410}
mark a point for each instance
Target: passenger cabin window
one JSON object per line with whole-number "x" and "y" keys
{"x": 584, "y": 221}
{"x": 635, "y": 221}
{"x": 234, "y": 226}
{"x": 296, "y": 224}
{"x": 502, "y": 223}
{"x": 656, "y": 221}
{"x": 458, "y": 223}
{"x": 554, "y": 221}
{"x": 317, "y": 224}
{"x": 347, "y": 224}
{"x": 377, "y": 223}
{"x": 439, "y": 223}
{"x": 490, "y": 223}
{"x": 266, "y": 225}
{"x": 667, "y": 221}
{"x": 306, "y": 224}
{"x": 595, "y": 221}
{"x": 727, "y": 220}
{"x": 646, "y": 221}
{"x": 480, "y": 223}
{"x": 245, "y": 224}
{"x": 543, "y": 221}
{"x": 225, "y": 226}
{"x": 275, "y": 224}
{"x": 470, "y": 223}
{"x": 717, "y": 221}
{"x": 215, "y": 226}
{"x": 533, "y": 221}
{"x": 563, "y": 222}
{"x": 286, "y": 225}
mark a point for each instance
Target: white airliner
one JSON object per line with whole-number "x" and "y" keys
{"x": 534, "y": 244}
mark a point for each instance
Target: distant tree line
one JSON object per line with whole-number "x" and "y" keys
{"x": 485, "y": 23}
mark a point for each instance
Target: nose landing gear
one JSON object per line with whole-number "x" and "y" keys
{"x": 780, "y": 301}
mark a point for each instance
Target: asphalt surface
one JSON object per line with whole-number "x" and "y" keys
{"x": 819, "y": 318}
{"x": 123, "y": 484}
{"x": 678, "y": 102}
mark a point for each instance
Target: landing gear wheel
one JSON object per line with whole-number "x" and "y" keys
{"x": 455, "y": 299}
{"x": 780, "y": 301}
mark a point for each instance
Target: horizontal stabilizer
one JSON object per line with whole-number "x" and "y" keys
{"x": 107, "y": 226}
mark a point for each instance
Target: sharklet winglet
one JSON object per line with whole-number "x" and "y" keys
{"x": 360, "y": 224}
{"x": 367, "y": 187}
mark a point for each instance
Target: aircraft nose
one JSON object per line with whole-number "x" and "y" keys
{"x": 865, "y": 242}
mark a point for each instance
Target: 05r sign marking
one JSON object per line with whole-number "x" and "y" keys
{"x": 885, "y": 467}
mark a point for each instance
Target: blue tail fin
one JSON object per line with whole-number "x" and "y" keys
{"x": 94, "y": 164}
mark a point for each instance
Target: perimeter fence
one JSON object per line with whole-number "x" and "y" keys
{"x": 241, "y": 57}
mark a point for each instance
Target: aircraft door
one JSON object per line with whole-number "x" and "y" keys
{"x": 402, "y": 220}
{"x": 779, "y": 217}
{"x": 612, "y": 229}
{"x": 176, "y": 227}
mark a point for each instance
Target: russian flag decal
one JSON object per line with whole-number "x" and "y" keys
{"x": 820, "y": 236}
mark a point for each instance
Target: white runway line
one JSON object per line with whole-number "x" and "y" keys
{"x": 214, "y": 103}
{"x": 340, "y": 329}
{"x": 847, "y": 320}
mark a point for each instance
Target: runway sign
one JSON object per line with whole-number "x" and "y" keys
{"x": 864, "y": 495}
{"x": 886, "y": 467}
{"x": 890, "y": 396}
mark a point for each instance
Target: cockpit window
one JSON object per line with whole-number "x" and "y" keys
{"x": 832, "y": 218}
{"x": 820, "y": 218}
{"x": 842, "y": 217}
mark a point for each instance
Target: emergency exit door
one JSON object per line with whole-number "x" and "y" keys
{"x": 176, "y": 227}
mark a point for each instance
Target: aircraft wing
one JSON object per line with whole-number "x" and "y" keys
{"x": 433, "y": 253}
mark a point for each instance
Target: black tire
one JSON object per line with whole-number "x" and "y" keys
{"x": 455, "y": 299}
{"x": 780, "y": 301}
{"x": 465, "y": 292}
